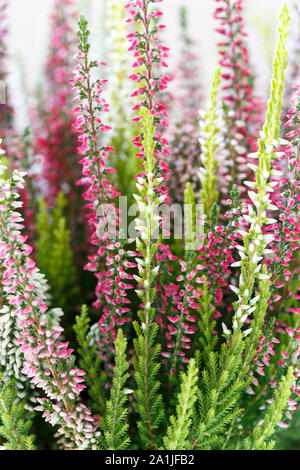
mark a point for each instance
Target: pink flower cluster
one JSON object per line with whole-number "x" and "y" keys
{"x": 48, "y": 360}
{"x": 150, "y": 59}
{"x": 210, "y": 265}
{"x": 243, "y": 112}
{"x": 54, "y": 136}
{"x": 111, "y": 258}
{"x": 285, "y": 229}
{"x": 184, "y": 103}
{"x": 22, "y": 158}
{"x": 283, "y": 341}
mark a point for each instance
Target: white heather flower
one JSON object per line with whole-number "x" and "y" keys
{"x": 225, "y": 329}
{"x": 247, "y": 332}
{"x": 234, "y": 289}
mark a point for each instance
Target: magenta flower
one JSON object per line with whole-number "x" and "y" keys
{"x": 110, "y": 257}
{"x": 243, "y": 110}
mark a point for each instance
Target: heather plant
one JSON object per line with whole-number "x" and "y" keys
{"x": 54, "y": 139}
{"x": 240, "y": 105}
{"x": 53, "y": 237}
{"x": 185, "y": 334}
{"x": 293, "y": 67}
{"x": 15, "y": 429}
{"x": 183, "y": 129}
{"x": 120, "y": 90}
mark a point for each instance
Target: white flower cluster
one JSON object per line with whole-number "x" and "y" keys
{"x": 10, "y": 236}
{"x": 25, "y": 352}
{"x": 10, "y": 356}
{"x": 149, "y": 220}
{"x": 147, "y": 223}
{"x": 212, "y": 147}
{"x": 255, "y": 241}
{"x": 205, "y": 140}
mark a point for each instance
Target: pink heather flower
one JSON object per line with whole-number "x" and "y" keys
{"x": 184, "y": 104}
{"x": 35, "y": 335}
{"x": 286, "y": 197}
{"x": 21, "y": 157}
{"x": 150, "y": 56}
{"x": 243, "y": 113}
{"x": 54, "y": 136}
{"x": 15, "y": 145}
{"x": 293, "y": 69}
{"x": 212, "y": 267}
{"x": 110, "y": 257}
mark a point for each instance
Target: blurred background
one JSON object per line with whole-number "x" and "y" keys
{"x": 29, "y": 22}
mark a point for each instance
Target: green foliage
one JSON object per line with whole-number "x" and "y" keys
{"x": 14, "y": 425}
{"x": 183, "y": 17}
{"x": 262, "y": 433}
{"x": 226, "y": 376}
{"x": 219, "y": 392}
{"x": 254, "y": 242}
{"x": 83, "y": 35}
{"x": 4, "y": 163}
{"x": 209, "y": 144}
{"x": 280, "y": 61}
{"x": 90, "y": 361}
{"x": 177, "y": 435}
{"x": 114, "y": 423}
{"x": 149, "y": 400}
{"x": 257, "y": 323}
{"x": 207, "y": 339}
{"x": 289, "y": 438}
{"x": 54, "y": 253}
{"x": 190, "y": 216}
